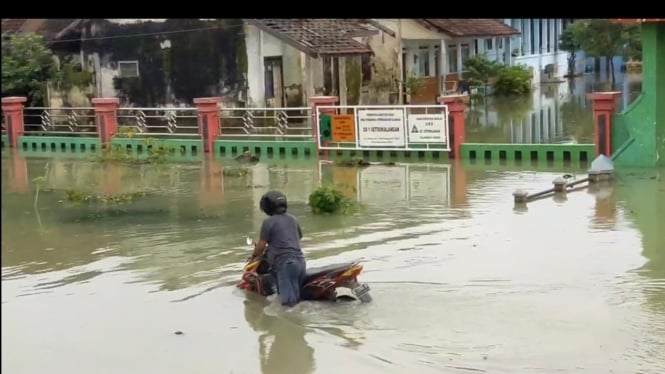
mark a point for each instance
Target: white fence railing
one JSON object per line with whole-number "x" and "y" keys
{"x": 59, "y": 121}
{"x": 266, "y": 122}
{"x": 383, "y": 127}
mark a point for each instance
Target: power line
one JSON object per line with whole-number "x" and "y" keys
{"x": 55, "y": 41}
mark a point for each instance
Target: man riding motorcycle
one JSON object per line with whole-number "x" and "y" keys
{"x": 281, "y": 234}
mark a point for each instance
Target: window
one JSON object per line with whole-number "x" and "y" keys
{"x": 489, "y": 44}
{"x": 499, "y": 43}
{"x": 128, "y": 69}
{"x": 532, "y": 25}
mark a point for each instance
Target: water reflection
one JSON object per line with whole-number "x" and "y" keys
{"x": 553, "y": 113}
{"x": 434, "y": 238}
{"x": 282, "y": 344}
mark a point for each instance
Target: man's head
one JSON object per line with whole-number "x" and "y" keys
{"x": 273, "y": 202}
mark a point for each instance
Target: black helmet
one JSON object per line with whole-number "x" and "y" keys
{"x": 273, "y": 202}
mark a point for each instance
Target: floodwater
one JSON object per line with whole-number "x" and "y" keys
{"x": 553, "y": 113}
{"x": 462, "y": 282}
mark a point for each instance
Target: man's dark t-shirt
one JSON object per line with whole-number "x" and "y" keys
{"x": 283, "y": 234}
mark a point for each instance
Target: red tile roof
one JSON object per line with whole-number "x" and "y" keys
{"x": 639, "y": 20}
{"x": 466, "y": 27}
{"x": 12, "y": 24}
{"x": 317, "y": 37}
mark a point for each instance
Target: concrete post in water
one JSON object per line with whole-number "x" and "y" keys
{"x": 604, "y": 106}
{"x": 315, "y": 102}
{"x": 456, "y": 107}
{"x": 602, "y": 169}
{"x": 520, "y": 196}
{"x": 207, "y": 109}
{"x": 559, "y": 185}
{"x": 12, "y": 109}
{"x": 106, "y": 117}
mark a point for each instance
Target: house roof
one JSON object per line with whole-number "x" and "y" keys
{"x": 11, "y": 25}
{"x": 639, "y": 20}
{"x": 318, "y": 37}
{"x": 48, "y": 28}
{"x": 468, "y": 27}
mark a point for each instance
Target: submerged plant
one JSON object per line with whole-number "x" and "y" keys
{"x": 330, "y": 199}
{"x": 84, "y": 197}
{"x": 235, "y": 171}
{"x": 351, "y": 162}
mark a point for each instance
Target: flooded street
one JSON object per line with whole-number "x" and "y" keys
{"x": 461, "y": 281}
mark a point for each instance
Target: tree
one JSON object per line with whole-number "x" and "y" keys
{"x": 568, "y": 43}
{"x": 604, "y": 38}
{"x": 27, "y": 64}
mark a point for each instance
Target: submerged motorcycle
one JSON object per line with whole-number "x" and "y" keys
{"x": 320, "y": 283}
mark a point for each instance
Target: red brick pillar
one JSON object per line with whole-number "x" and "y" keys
{"x": 604, "y": 105}
{"x": 315, "y": 102}
{"x": 12, "y": 109}
{"x": 457, "y": 132}
{"x": 106, "y": 117}
{"x": 209, "y": 126}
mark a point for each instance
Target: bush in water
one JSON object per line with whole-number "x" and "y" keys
{"x": 513, "y": 80}
{"x": 330, "y": 199}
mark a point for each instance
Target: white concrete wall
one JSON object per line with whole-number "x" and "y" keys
{"x": 260, "y": 45}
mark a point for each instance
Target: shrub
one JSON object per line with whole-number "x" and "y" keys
{"x": 330, "y": 199}
{"x": 513, "y": 80}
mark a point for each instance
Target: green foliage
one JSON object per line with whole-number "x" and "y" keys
{"x": 513, "y": 80}
{"x": 480, "y": 69}
{"x": 569, "y": 43}
{"x": 330, "y": 199}
{"x": 156, "y": 151}
{"x": 27, "y": 64}
{"x": 73, "y": 75}
{"x": 605, "y": 38}
{"x": 235, "y": 171}
{"x": 510, "y": 80}
{"x": 413, "y": 84}
{"x": 84, "y": 197}
{"x": 353, "y": 80}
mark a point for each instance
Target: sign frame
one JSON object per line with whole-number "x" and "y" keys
{"x": 408, "y": 145}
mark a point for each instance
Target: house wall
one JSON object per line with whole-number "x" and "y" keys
{"x": 297, "y": 68}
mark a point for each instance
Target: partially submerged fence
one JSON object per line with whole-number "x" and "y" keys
{"x": 397, "y": 131}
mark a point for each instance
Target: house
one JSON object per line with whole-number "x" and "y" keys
{"x": 435, "y": 49}
{"x": 250, "y": 62}
{"x": 289, "y": 60}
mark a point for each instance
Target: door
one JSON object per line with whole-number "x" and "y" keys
{"x": 274, "y": 82}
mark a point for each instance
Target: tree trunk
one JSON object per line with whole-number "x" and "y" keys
{"x": 610, "y": 64}
{"x": 571, "y": 65}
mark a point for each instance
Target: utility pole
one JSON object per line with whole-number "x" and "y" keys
{"x": 400, "y": 62}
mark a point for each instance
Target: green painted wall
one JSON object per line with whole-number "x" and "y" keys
{"x": 643, "y": 144}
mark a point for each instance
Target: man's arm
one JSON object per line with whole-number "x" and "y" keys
{"x": 264, "y": 238}
{"x": 299, "y": 232}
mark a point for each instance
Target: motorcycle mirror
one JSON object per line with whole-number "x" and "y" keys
{"x": 249, "y": 241}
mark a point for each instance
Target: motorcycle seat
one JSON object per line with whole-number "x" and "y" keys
{"x": 318, "y": 271}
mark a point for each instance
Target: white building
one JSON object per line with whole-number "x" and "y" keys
{"x": 537, "y": 46}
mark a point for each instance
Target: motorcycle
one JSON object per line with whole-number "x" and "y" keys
{"x": 321, "y": 283}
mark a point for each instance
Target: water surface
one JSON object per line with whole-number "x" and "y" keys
{"x": 461, "y": 281}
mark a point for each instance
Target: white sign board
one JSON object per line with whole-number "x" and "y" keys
{"x": 382, "y": 184}
{"x": 429, "y": 184}
{"x": 427, "y": 128}
{"x": 381, "y": 128}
